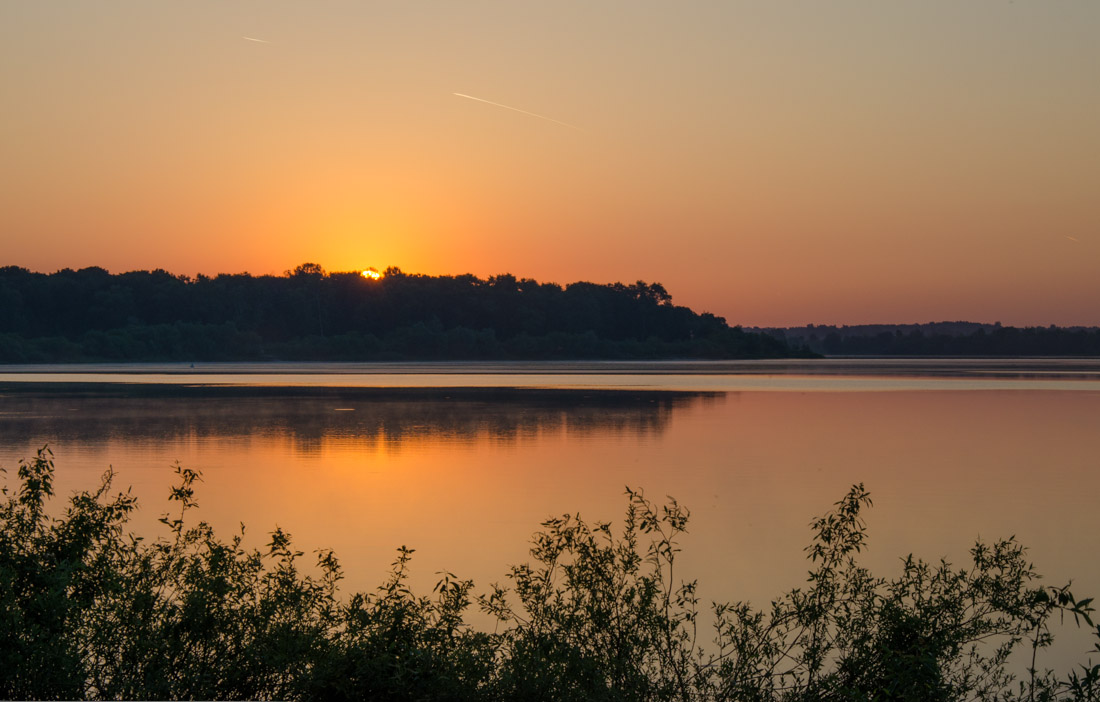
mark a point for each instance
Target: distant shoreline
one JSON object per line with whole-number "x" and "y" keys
{"x": 939, "y": 339}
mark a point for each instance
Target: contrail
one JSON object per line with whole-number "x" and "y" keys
{"x": 1071, "y": 238}
{"x": 262, "y": 41}
{"x": 516, "y": 109}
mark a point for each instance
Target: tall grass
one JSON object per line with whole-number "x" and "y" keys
{"x": 89, "y": 610}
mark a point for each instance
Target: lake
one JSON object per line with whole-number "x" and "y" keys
{"x": 463, "y": 461}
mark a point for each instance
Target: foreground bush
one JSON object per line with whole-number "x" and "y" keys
{"x": 88, "y": 610}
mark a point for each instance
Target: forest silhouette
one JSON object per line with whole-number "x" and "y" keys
{"x": 310, "y": 315}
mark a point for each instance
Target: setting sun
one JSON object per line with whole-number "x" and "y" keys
{"x": 372, "y": 274}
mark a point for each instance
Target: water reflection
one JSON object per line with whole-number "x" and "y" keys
{"x": 465, "y": 476}
{"x": 309, "y": 418}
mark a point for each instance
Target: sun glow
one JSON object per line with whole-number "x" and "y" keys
{"x": 371, "y": 274}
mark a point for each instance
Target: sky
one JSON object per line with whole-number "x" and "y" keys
{"x": 775, "y": 162}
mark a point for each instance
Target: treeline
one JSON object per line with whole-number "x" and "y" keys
{"x": 308, "y": 314}
{"x": 90, "y": 611}
{"x": 942, "y": 339}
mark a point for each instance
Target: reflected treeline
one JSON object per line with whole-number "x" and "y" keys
{"x": 311, "y": 416}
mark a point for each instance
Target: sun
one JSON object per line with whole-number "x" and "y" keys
{"x": 371, "y": 274}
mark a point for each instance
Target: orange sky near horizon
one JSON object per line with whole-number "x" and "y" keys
{"x": 774, "y": 162}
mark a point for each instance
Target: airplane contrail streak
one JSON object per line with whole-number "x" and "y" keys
{"x": 262, "y": 41}
{"x": 516, "y": 109}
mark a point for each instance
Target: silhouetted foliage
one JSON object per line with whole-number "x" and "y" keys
{"x": 90, "y": 611}
{"x": 308, "y": 314}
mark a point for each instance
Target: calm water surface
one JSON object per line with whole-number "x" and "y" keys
{"x": 462, "y": 461}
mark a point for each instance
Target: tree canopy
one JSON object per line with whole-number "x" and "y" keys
{"x": 309, "y": 314}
